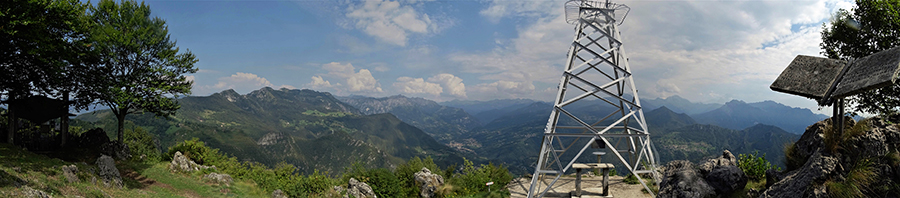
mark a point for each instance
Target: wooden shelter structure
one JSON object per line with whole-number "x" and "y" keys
{"x": 38, "y": 109}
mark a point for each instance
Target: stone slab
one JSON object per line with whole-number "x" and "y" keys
{"x": 808, "y": 76}
{"x": 871, "y": 72}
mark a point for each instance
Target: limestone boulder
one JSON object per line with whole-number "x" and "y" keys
{"x": 359, "y": 189}
{"x": 682, "y": 180}
{"x": 428, "y": 182}
{"x": 69, "y": 172}
{"x": 108, "y": 172}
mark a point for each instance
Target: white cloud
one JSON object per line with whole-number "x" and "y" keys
{"x": 504, "y": 89}
{"x": 347, "y": 79}
{"x": 408, "y": 85}
{"x": 689, "y": 48}
{"x": 190, "y": 78}
{"x": 453, "y": 84}
{"x": 240, "y": 82}
{"x": 391, "y": 22}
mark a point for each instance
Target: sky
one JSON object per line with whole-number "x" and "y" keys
{"x": 705, "y": 51}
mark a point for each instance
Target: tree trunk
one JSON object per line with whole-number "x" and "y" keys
{"x": 64, "y": 125}
{"x": 121, "y": 131}
{"x": 11, "y": 115}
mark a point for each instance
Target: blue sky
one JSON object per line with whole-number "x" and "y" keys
{"x": 705, "y": 51}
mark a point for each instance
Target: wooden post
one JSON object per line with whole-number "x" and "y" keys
{"x": 64, "y": 124}
{"x": 12, "y": 123}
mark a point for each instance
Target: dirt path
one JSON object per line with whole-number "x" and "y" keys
{"x": 591, "y": 187}
{"x": 147, "y": 183}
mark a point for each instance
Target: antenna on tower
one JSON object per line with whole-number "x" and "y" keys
{"x": 596, "y": 76}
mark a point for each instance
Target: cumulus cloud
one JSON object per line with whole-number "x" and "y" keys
{"x": 347, "y": 79}
{"x": 689, "y": 48}
{"x": 242, "y": 82}
{"x": 453, "y": 84}
{"x": 410, "y": 85}
{"x": 391, "y": 22}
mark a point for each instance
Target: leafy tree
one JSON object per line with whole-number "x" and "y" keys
{"x": 45, "y": 49}
{"x": 142, "y": 67}
{"x": 872, "y": 27}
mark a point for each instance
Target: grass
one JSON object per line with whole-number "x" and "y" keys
{"x": 19, "y": 168}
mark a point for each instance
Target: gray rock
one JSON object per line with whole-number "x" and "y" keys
{"x": 69, "y": 172}
{"x": 773, "y": 176}
{"x": 108, "y": 172}
{"x": 804, "y": 182}
{"x": 116, "y": 150}
{"x": 278, "y": 194}
{"x": 727, "y": 159}
{"x": 219, "y": 178}
{"x": 184, "y": 164}
{"x": 359, "y": 189}
{"x": 29, "y": 192}
{"x": 428, "y": 182}
{"x": 682, "y": 180}
{"x": 727, "y": 179}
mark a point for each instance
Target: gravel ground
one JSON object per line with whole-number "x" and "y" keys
{"x": 591, "y": 187}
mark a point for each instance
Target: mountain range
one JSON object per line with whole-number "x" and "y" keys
{"x": 318, "y": 131}
{"x": 312, "y": 130}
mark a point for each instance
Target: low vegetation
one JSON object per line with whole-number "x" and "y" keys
{"x": 755, "y": 166}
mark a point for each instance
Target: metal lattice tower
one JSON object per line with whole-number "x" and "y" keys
{"x": 596, "y": 75}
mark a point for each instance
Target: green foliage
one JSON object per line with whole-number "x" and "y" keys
{"x": 472, "y": 180}
{"x": 284, "y": 176}
{"x": 406, "y": 174}
{"x": 382, "y": 180}
{"x": 44, "y": 49}
{"x": 631, "y": 179}
{"x": 755, "y": 166}
{"x": 870, "y": 28}
{"x": 142, "y": 143}
{"x": 142, "y": 68}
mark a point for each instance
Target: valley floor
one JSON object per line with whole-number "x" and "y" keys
{"x": 591, "y": 187}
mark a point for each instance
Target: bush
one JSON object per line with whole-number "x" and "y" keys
{"x": 631, "y": 179}
{"x": 755, "y": 166}
{"x": 382, "y": 180}
{"x": 142, "y": 143}
{"x": 406, "y": 174}
{"x": 472, "y": 180}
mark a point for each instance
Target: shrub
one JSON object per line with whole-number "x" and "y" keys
{"x": 382, "y": 180}
{"x": 755, "y": 166}
{"x": 472, "y": 180}
{"x": 631, "y": 179}
{"x": 406, "y": 174}
{"x": 142, "y": 143}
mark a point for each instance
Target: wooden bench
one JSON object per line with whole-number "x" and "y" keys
{"x": 602, "y": 166}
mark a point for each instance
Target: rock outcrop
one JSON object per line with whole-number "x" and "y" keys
{"x": 184, "y": 164}
{"x": 682, "y": 180}
{"x": 29, "y": 192}
{"x": 219, "y": 178}
{"x": 278, "y": 194}
{"x": 428, "y": 182}
{"x": 69, "y": 172}
{"x": 869, "y": 147}
{"x": 715, "y": 177}
{"x": 117, "y": 150}
{"x": 358, "y": 189}
{"x": 108, "y": 172}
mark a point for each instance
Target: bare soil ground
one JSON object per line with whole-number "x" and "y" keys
{"x": 591, "y": 187}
